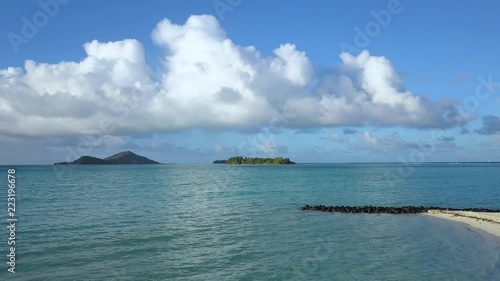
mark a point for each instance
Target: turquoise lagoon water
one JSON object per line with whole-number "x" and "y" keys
{"x": 218, "y": 222}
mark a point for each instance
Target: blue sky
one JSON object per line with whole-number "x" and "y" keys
{"x": 425, "y": 60}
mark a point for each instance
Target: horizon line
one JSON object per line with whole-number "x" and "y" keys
{"x": 211, "y": 163}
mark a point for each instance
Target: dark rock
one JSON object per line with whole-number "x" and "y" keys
{"x": 387, "y": 210}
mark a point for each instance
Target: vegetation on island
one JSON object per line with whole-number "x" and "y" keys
{"x": 237, "y": 160}
{"x": 126, "y": 157}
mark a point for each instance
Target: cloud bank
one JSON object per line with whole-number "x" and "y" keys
{"x": 491, "y": 125}
{"x": 207, "y": 82}
{"x": 364, "y": 140}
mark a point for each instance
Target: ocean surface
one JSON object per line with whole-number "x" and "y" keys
{"x": 222, "y": 222}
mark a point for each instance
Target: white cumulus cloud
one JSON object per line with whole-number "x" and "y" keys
{"x": 207, "y": 82}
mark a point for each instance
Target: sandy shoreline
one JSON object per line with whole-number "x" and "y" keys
{"x": 489, "y": 222}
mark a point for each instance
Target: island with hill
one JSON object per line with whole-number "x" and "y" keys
{"x": 126, "y": 157}
{"x": 238, "y": 160}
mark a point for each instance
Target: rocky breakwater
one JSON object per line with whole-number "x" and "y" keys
{"x": 388, "y": 210}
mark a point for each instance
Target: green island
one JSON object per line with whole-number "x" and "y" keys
{"x": 126, "y": 157}
{"x": 238, "y": 160}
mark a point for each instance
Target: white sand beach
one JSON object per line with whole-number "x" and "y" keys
{"x": 489, "y": 222}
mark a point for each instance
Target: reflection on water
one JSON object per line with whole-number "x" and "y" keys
{"x": 218, "y": 222}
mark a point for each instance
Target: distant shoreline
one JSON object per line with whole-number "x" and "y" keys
{"x": 121, "y": 158}
{"x": 298, "y": 163}
{"x": 240, "y": 160}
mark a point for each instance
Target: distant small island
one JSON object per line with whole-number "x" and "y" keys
{"x": 237, "y": 160}
{"x": 126, "y": 157}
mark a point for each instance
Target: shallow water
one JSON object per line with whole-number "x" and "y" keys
{"x": 218, "y": 222}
